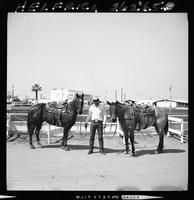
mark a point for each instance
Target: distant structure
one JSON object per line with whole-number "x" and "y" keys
{"x": 88, "y": 99}
{"x": 171, "y": 103}
{"x": 41, "y": 99}
{"x": 161, "y": 103}
{"x": 58, "y": 95}
{"x": 147, "y": 102}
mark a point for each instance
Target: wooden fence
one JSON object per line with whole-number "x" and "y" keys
{"x": 80, "y": 122}
{"x": 179, "y": 132}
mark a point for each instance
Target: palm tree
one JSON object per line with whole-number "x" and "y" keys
{"x": 35, "y": 88}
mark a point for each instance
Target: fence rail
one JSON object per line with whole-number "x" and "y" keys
{"x": 47, "y": 127}
{"x": 79, "y": 124}
{"x": 178, "y": 132}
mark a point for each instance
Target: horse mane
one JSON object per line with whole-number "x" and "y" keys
{"x": 69, "y": 104}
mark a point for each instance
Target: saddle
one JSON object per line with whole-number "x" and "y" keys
{"x": 145, "y": 109}
{"x": 130, "y": 113}
{"x": 56, "y": 110}
{"x": 143, "y": 112}
{"x": 53, "y": 106}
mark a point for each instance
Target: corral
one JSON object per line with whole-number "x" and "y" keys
{"x": 51, "y": 168}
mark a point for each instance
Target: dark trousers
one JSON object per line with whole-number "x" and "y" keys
{"x": 96, "y": 126}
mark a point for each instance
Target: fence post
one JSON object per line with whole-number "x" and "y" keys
{"x": 179, "y": 132}
{"x": 182, "y": 132}
{"x": 48, "y": 134}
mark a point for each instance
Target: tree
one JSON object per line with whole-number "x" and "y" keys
{"x": 36, "y": 88}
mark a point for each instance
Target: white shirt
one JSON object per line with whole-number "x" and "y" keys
{"x": 97, "y": 113}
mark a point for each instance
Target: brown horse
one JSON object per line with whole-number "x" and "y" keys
{"x": 132, "y": 117}
{"x": 64, "y": 117}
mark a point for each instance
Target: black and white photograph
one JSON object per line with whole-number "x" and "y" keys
{"x": 97, "y": 101}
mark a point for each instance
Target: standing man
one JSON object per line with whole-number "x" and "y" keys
{"x": 97, "y": 116}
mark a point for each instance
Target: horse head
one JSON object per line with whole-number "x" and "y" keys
{"x": 113, "y": 110}
{"x": 79, "y": 103}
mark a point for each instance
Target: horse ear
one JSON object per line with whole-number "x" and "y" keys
{"x": 108, "y": 102}
{"x": 117, "y": 102}
{"x": 77, "y": 95}
{"x": 82, "y": 95}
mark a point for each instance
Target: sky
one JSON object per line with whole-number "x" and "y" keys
{"x": 98, "y": 53}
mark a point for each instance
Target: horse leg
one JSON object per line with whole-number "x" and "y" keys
{"x": 30, "y": 132}
{"x": 161, "y": 139}
{"x": 64, "y": 140}
{"x": 37, "y": 135}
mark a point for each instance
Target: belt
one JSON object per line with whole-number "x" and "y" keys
{"x": 97, "y": 121}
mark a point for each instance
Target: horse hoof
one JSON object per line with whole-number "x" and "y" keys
{"x": 158, "y": 151}
{"x": 32, "y": 147}
{"x": 65, "y": 148}
{"x": 133, "y": 154}
{"x": 40, "y": 146}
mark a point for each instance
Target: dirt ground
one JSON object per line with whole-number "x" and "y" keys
{"x": 51, "y": 168}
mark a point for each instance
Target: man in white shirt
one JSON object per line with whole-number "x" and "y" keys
{"x": 97, "y": 116}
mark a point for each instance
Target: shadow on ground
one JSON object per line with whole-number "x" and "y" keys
{"x": 109, "y": 150}
{"x": 85, "y": 147}
{"x": 153, "y": 151}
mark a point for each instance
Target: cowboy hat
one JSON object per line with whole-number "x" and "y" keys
{"x": 95, "y": 98}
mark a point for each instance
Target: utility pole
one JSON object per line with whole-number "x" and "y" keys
{"x": 124, "y": 96}
{"x": 12, "y": 92}
{"x": 121, "y": 94}
{"x": 170, "y": 91}
{"x": 115, "y": 95}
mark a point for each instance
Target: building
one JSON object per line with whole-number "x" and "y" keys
{"x": 58, "y": 95}
{"x": 88, "y": 99}
{"x": 171, "y": 103}
{"x": 139, "y": 102}
{"x": 63, "y": 94}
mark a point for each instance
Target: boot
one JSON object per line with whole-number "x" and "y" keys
{"x": 91, "y": 146}
{"x": 90, "y": 151}
{"x": 101, "y": 146}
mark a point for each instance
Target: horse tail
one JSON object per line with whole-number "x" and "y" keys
{"x": 30, "y": 118}
{"x": 42, "y": 108}
{"x": 166, "y": 128}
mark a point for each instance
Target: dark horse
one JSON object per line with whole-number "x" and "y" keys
{"x": 131, "y": 116}
{"x": 64, "y": 117}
